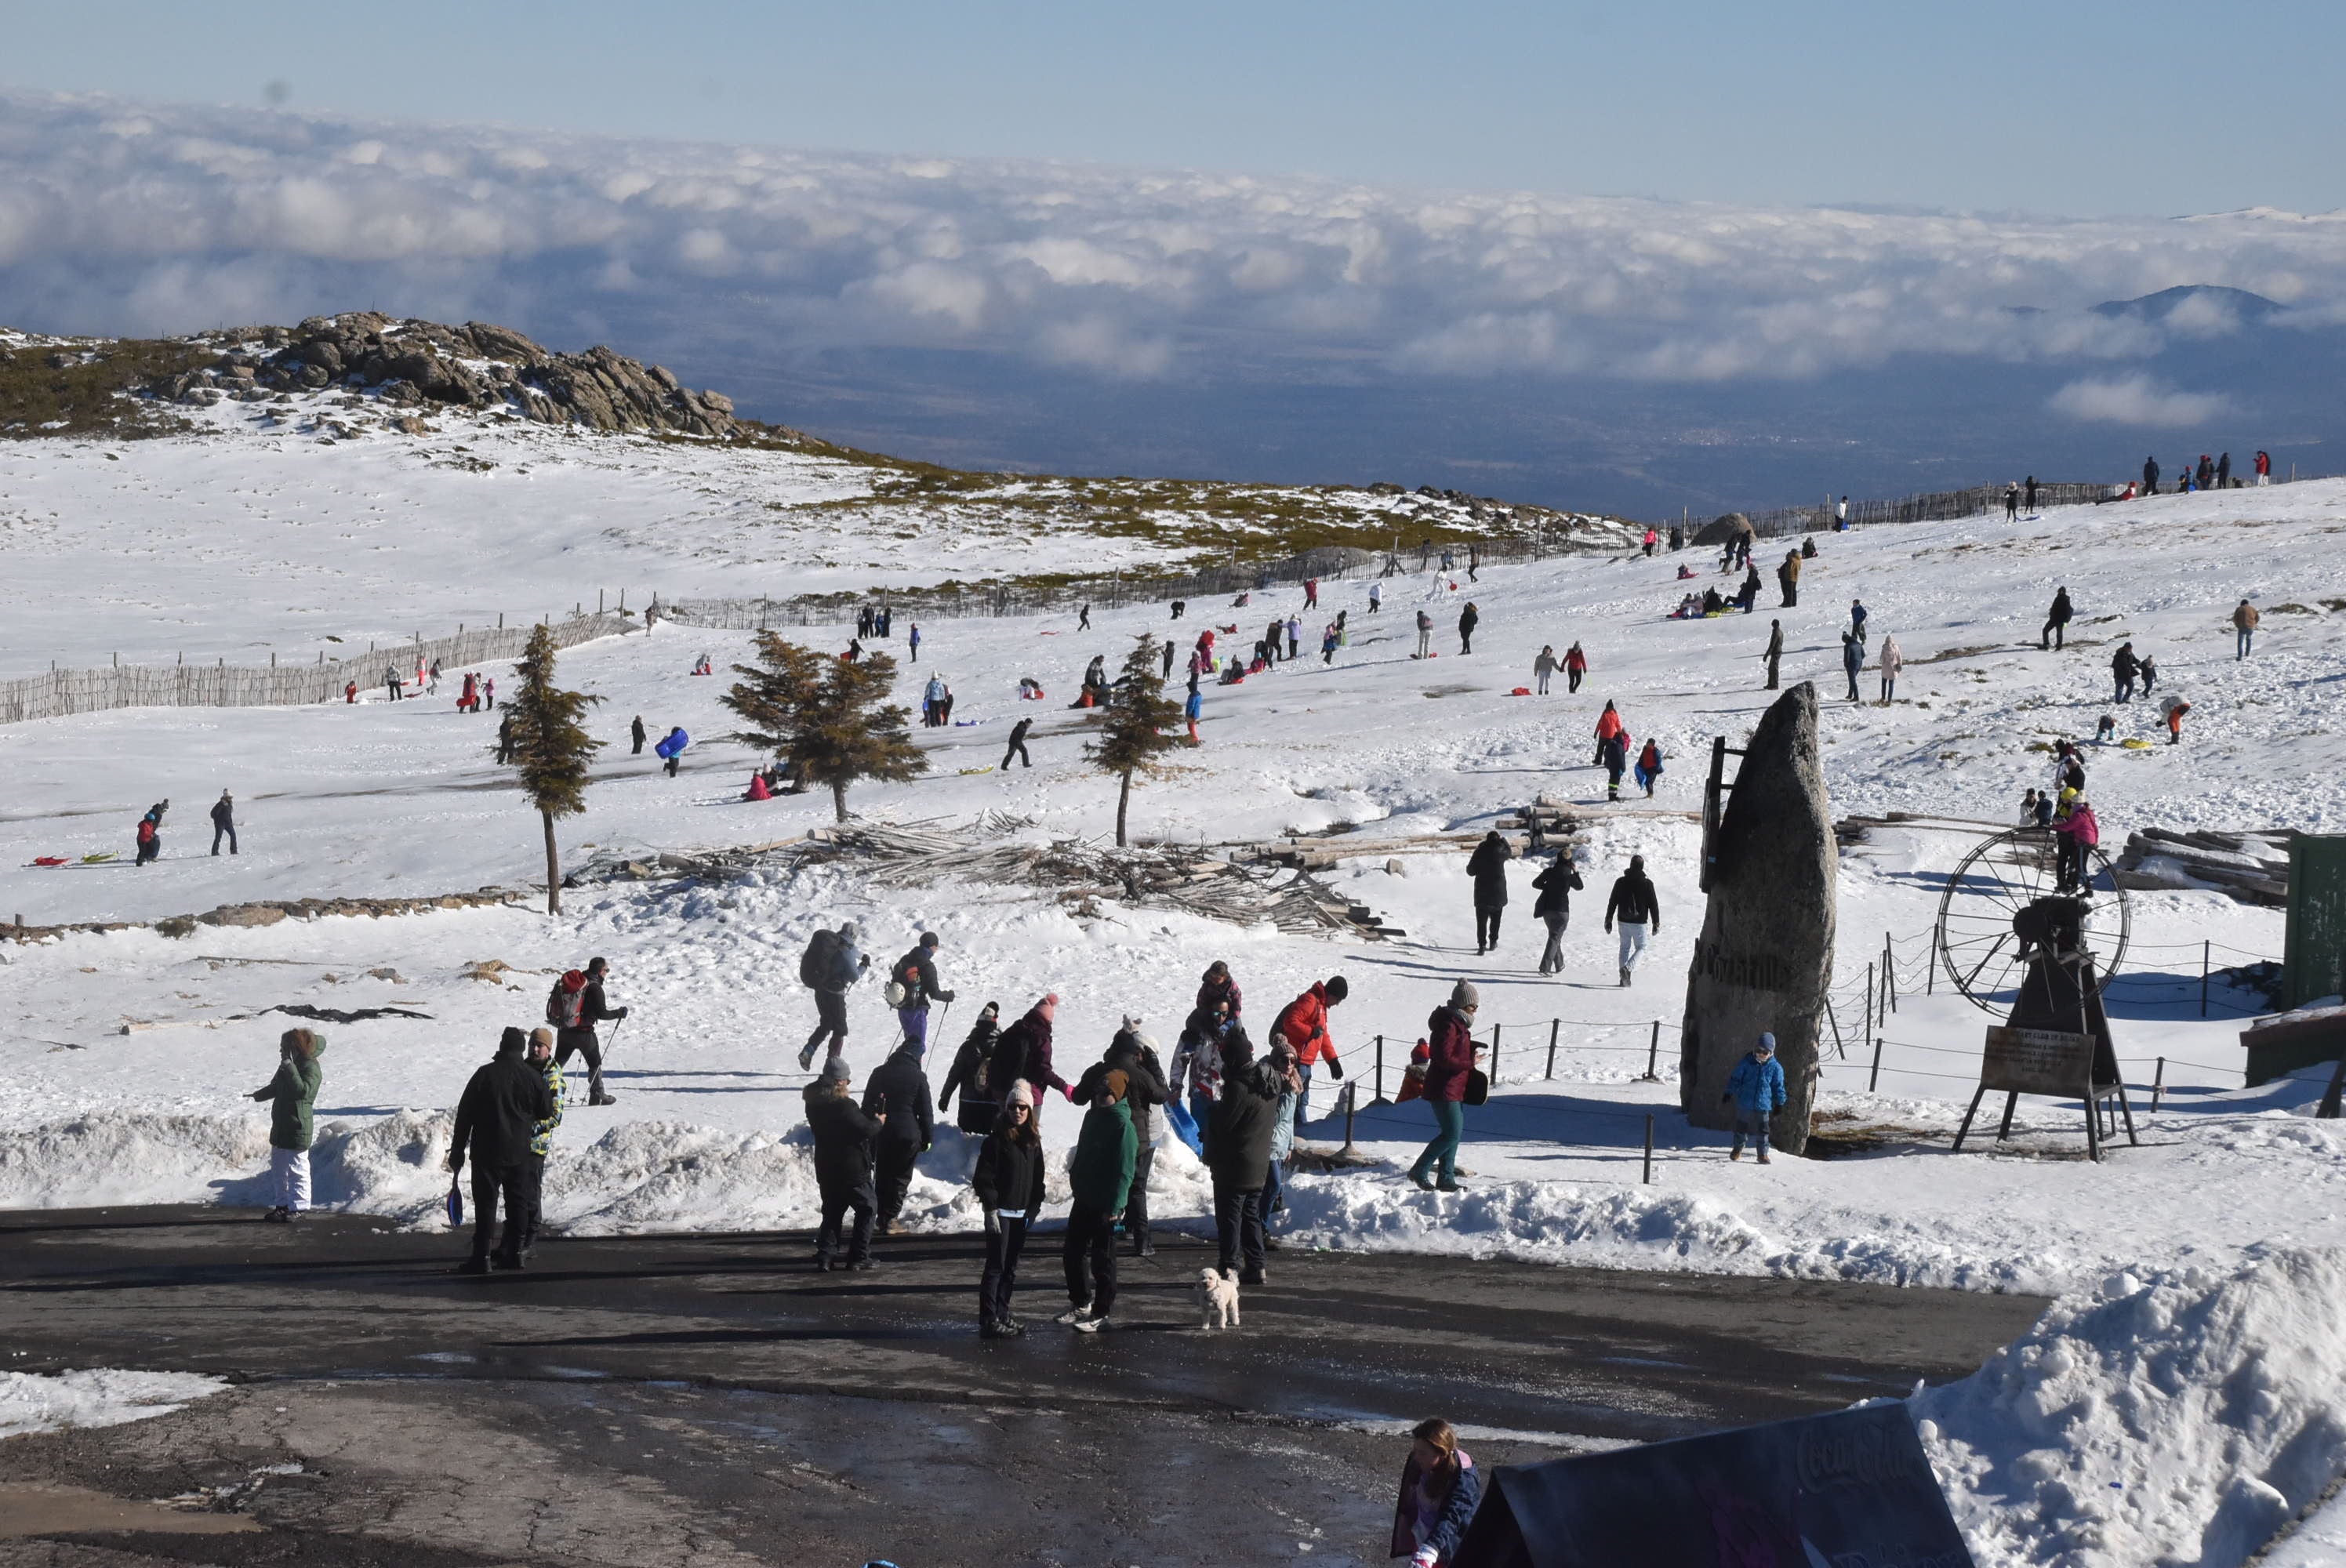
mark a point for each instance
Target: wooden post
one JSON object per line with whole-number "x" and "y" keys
{"x": 1380, "y": 1085}
{"x": 2158, "y": 1084}
{"x": 1649, "y": 1176}
{"x": 1553, "y": 1025}
{"x": 2203, "y": 979}
{"x": 1890, "y": 970}
{"x": 1351, "y": 1098}
{"x": 1654, "y": 1053}
{"x": 1875, "y": 1076}
{"x": 1495, "y": 1056}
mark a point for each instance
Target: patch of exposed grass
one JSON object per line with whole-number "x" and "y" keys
{"x": 74, "y": 391}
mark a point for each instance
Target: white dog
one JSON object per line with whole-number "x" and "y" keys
{"x": 1217, "y": 1294}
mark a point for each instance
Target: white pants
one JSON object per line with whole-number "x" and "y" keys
{"x": 1633, "y": 943}
{"x": 289, "y": 1169}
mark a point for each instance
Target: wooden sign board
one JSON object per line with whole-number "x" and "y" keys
{"x": 2038, "y": 1062}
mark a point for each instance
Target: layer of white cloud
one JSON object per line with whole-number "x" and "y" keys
{"x": 2137, "y": 400}
{"x": 142, "y": 217}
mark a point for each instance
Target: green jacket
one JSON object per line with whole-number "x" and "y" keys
{"x": 1106, "y": 1151}
{"x": 541, "y": 1136}
{"x": 291, "y": 1094}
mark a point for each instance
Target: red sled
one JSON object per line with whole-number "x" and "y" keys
{"x": 48, "y": 859}
{"x": 1521, "y": 691}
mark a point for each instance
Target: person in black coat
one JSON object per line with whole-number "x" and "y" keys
{"x": 1008, "y": 1181}
{"x": 495, "y": 1118}
{"x": 636, "y": 732}
{"x": 1556, "y": 884}
{"x": 1639, "y": 910}
{"x": 224, "y": 821}
{"x": 1018, "y": 744}
{"x": 594, "y": 1009}
{"x": 970, "y": 1075}
{"x": 1134, "y": 1055}
{"x": 1467, "y": 618}
{"x": 897, "y": 1092}
{"x": 844, "y": 1136}
{"x": 2056, "y": 621}
{"x": 1238, "y": 1152}
{"x": 1488, "y": 866}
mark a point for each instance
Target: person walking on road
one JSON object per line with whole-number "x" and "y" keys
{"x": 291, "y": 1094}
{"x": 897, "y": 1096}
{"x": 1488, "y": 866}
{"x": 2244, "y": 630}
{"x": 831, "y": 965}
{"x": 1008, "y": 1182}
{"x": 1757, "y": 1088}
{"x": 844, "y": 1139}
{"x": 497, "y": 1116}
{"x": 1134, "y": 1055}
{"x": 2056, "y": 620}
{"x": 1099, "y": 1177}
{"x": 1640, "y": 911}
{"x": 1440, "y": 1490}
{"x": 224, "y": 822}
{"x": 541, "y": 1137}
{"x": 1556, "y": 884}
{"x": 1238, "y": 1152}
{"x": 1450, "y": 1038}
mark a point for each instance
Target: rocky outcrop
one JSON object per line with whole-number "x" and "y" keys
{"x": 418, "y": 365}
{"x": 1764, "y": 960}
{"x": 269, "y": 911}
{"x": 1720, "y": 529}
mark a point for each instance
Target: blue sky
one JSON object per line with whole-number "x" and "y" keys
{"x": 2075, "y": 107}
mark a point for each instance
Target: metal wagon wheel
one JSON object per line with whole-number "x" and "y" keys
{"x": 2002, "y": 876}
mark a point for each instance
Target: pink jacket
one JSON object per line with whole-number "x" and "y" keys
{"x": 2080, "y": 824}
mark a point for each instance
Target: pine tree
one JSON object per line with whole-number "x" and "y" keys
{"x": 1132, "y": 741}
{"x": 551, "y": 749}
{"x": 827, "y": 719}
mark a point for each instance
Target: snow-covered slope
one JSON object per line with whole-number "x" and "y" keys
{"x": 383, "y": 798}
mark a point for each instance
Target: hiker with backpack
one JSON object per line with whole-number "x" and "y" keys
{"x": 830, "y": 964}
{"x": 574, "y": 1007}
{"x": 972, "y": 1075}
{"x": 913, "y": 985}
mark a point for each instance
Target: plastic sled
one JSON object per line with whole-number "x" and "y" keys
{"x": 98, "y": 859}
{"x": 48, "y": 859}
{"x": 1185, "y": 1127}
{"x": 1521, "y": 691}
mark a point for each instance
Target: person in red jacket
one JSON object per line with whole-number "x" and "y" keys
{"x": 1609, "y": 725}
{"x": 1303, "y": 1025}
{"x": 1450, "y": 1034}
{"x": 1575, "y": 665}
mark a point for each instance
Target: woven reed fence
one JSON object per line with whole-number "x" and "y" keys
{"x": 224, "y": 684}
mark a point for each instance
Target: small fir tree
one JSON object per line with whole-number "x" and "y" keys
{"x": 551, "y": 749}
{"x": 1132, "y": 741}
{"x": 827, "y": 719}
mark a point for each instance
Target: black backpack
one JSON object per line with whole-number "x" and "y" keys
{"x": 821, "y": 957}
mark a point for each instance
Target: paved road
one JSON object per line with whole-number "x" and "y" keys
{"x": 712, "y": 1400}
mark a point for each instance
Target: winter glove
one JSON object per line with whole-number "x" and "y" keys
{"x": 1335, "y": 1068}
{"x": 1426, "y": 1558}
{"x": 620, "y": 1016}
{"x": 1069, "y": 1091}
{"x": 945, "y": 996}
{"x": 993, "y": 1223}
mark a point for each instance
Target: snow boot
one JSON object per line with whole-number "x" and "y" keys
{"x": 1074, "y": 1315}
{"x": 614, "y": 1099}
{"x": 1625, "y": 977}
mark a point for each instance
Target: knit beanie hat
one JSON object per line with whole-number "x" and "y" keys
{"x": 511, "y": 1043}
{"x": 1337, "y": 989}
{"x": 1767, "y": 1044}
{"x": 1464, "y": 995}
{"x": 1022, "y": 1092}
{"x": 541, "y": 1037}
{"x": 835, "y": 1070}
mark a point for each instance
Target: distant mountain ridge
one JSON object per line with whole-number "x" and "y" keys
{"x": 2158, "y": 307}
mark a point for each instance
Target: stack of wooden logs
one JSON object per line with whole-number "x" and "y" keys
{"x": 2252, "y": 867}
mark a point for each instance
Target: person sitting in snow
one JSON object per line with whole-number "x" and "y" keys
{"x": 1757, "y": 1087}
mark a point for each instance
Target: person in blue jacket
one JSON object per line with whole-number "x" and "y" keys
{"x": 1440, "y": 1488}
{"x": 1757, "y": 1087}
{"x": 671, "y": 749}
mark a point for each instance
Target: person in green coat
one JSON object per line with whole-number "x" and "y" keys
{"x": 1100, "y": 1173}
{"x": 290, "y": 1094}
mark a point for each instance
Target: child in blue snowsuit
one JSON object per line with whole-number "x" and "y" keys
{"x": 1757, "y": 1087}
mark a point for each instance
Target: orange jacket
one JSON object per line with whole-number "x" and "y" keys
{"x": 1609, "y": 725}
{"x": 1304, "y": 1023}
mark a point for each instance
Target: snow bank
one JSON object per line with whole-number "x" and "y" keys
{"x": 2178, "y": 1418}
{"x": 99, "y": 1397}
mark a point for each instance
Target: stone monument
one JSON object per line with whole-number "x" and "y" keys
{"x": 1765, "y": 957}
